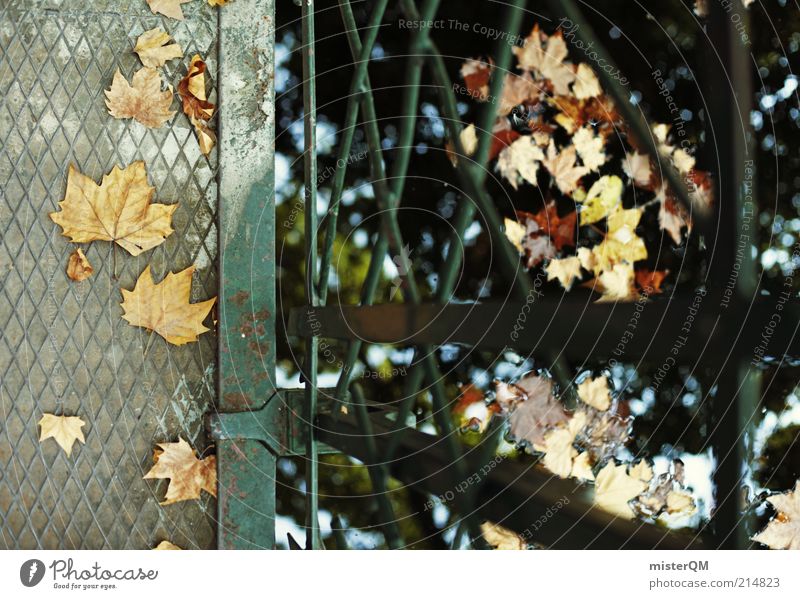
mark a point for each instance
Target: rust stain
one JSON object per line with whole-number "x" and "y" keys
{"x": 239, "y": 298}
{"x": 236, "y": 400}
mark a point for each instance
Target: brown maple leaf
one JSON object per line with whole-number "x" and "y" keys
{"x": 78, "y": 267}
{"x": 154, "y": 50}
{"x": 536, "y": 412}
{"x": 188, "y": 475}
{"x": 196, "y": 106}
{"x": 118, "y": 210}
{"x": 168, "y": 8}
{"x": 502, "y": 135}
{"x": 476, "y": 75}
{"x": 144, "y": 100}
{"x": 650, "y": 280}
{"x": 165, "y": 308}
{"x": 561, "y": 229}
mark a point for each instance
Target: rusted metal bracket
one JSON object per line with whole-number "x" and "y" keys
{"x": 279, "y": 424}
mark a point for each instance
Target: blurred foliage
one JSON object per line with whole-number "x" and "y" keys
{"x": 669, "y": 37}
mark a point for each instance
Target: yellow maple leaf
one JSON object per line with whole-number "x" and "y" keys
{"x": 218, "y": 2}
{"x": 621, "y": 243}
{"x": 586, "y": 84}
{"x": 165, "y": 308}
{"x": 64, "y": 429}
{"x": 783, "y": 531}
{"x": 168, "y": 8}
{"x": 565, "y": 270}
{"x": 78, "y": 267}
{"x": 616, "y": 284}
{"x": 515, "y": 232}
{"x": 117, "y": 210}
{"x": 615, "y": 488}
{"x": 637, "y": 167}
{"x": 582, "y": 467}
{"x": 594, "y": 392}
{"x": 154, "y": 50}
{"x": 500, "y": 537}
{"x": 188, "y": 475}
{"x": 144, "y": 100}
{"x": 559, "y": 451}
{"x": 590, "y": 148}
{"x": 604, "y": 196}
{"x": 519, "y": 161}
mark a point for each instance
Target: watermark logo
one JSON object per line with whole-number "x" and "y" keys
{"x": 31, "y": 572}
{"x": 400, "y": 262}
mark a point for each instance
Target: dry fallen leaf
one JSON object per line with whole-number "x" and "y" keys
{"x": 166, "y": 546}
{"x": 144, "y": 101}
{"x": 615, "y": 488}
{"x": 594, "y": 392}
{"x": 165, "y": 308}
{"x": 476, "y": 75}
{"x": 586, "y": 84}
{"x": 154, "y": 49}
{"x": 665, "y": 493}
{"x": 78, "y": 267}
{"x": 590, "y": 148}
{"x": 520, "y": 161}
{"x": 469, "y": 143}
{"x": 500, "y": 537}
{"x": 516, "y": 233}
{"x": 188, "y": 475}
{"x": 218, "y": 2}
{"x": 649, "y": 281}
{"x": 64, "y": 429}
{"x": 604, "y": 196}
{"x": 196, "y": 106}
{"x": 561, "y": 229}
{"x": 548, "y": 60}
{"x": 621, "y": 243}
{"x": 168, "y": 8}
{"x": 537, "y": 413}
{"x": 783, "y": 531}
{"x": 565, "y": 270}
{"x": 616, "y": 284}
{"x": 563, "y": 169}
{"x": 118, "y": 209}
{"x": 637, "y": 167}
{"x": 582, "y": 467}
{"x": 518, "y": 90}
{"x": 559, "y": 449}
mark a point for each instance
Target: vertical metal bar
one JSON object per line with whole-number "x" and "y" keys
{"x": 735, "y": 405}
{"x": 246, "y": 468}
{"x": 310, "y": 223}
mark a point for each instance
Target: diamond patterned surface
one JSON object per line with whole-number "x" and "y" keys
{"x": 63, "y": 346}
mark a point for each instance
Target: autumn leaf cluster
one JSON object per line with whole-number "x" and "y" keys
{"x": 552, "y": 132}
